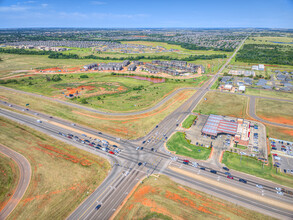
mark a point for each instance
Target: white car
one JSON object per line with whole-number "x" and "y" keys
{"x": 137, "y": 148}
{"x": 280, "y": 193}
{"x": 278, "y": 188}
{"x": 259, "y": 186}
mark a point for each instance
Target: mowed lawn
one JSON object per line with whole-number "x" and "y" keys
{"x": 129, "y": 127}
{"x": 103, "y": 90}
{"x": 255, "y": 167}
{"x": 189, "y": 121}
{"x": 222, "y": 104}
{"x": 162, "y": 198}
{"x": 181, "y": 146}
{"x": 9, "y": 176}
{"x": 62, "y": 175}
{"x": 275, "y": 111}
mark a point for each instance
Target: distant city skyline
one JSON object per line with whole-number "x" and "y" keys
{"x": 149, "y": 14}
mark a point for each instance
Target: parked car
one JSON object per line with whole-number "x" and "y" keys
{"x": 213, "y": 171}
{"x": 280, "y": 193}
{"x": 111, "y": 152}
{"x": 202, "y": 168}
{"x": 259, "y": 186}
{"x": 226, "y": 168}
{"x": 242, "y": 180}
{"x": 230, "y": 177}
{"x": 227, "y": 173}
{"x": 139, "y": 164}
{"x": 152, "y": 149}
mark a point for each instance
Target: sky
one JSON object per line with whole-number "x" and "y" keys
{"x": 146, "y": 14}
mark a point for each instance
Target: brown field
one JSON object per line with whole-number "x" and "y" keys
{"x": 164, "y": 199}
{"x": 62, "y": 175}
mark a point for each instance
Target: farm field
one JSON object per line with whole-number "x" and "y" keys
{"x": 103, "y": 90}
{"x": 255, "y": 167}
{"x": 162, "y": 198}
{"x": 9, "y": 173}
{"x": 275, "y": 111}
{"x": 181, "y": 146}
{"x": 270, "y": 40}
{"x": 270, "y": 94}
{"x": 53, "y": 192}
{"x": 223, "y": 104}
{"x": 129, "y": 127}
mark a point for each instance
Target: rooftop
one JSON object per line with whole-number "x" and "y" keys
{"x": 216, "y": 124}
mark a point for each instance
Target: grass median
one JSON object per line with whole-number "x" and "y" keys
{"x": 62, "y": 175}
{"x": 189, "y": 121}
{"x": 162, "y": 198}
{"x": 181, "y": 146}
{"x": 255, "y": 167}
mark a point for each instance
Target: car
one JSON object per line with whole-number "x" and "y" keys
{"x": 157, "y": 126}
{"x": 242, "y": 180}
{"x": 177, "y": 125}
{"x": 98, "y": 207}
{"x": 152, "y": 149}
{"x": 10, "y": 105}
{"x": 50, "y": 117}
{"x": 145, "y": 163}
{"x": 141, "y": 148}
{"x": 230, "y": 177}
{"x": 73, "y": 124}
{"x": 83, "y": 135}
{"x": 115, "y": 146}
{"x": 227, "y": 173}
{"x": 36, "y": 113}
{"x": 202, "y": 168}
{"x": 278, "y": 188}
{"x": 91, "y": 145}
{"x": 259, "y": 186}
{"x": 275, "y": 154}
{"x": 213, "y": 171}
{"x": 111, "y": 152}
{"x": 139, "y": 164}
{"x": 100, "y": 132}
{"x": 285, "y": 171}
{"x": 39, "y": 121}
{"x": 166, "y": 138}
{"x": 280, "y": 193}
{"x": 291, "y": 171}
{"x": 60, "y": 133}
{"x": 226, "y": 168}
{"x": 143, "y": 142}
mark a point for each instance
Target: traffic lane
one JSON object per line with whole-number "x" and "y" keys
{"x": 23, "y": 183}
{"x": 249, "y": 186}
{"x": 227, "y": 195}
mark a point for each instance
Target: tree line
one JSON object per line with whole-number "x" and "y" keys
{"x": 58, "y": 55}
{"x": 266, "y": 53}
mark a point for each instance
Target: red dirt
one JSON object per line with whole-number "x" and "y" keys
{"x": 278, "y": 119}
{"x": 290, "y": 132}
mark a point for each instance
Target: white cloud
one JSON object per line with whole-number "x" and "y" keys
{"x": 98, "y": 3}
{"x": 44, "y": 5}
{"x": 13, "y": 8}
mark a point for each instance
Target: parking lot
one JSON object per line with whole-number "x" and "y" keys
{"x": 282, "y": 152}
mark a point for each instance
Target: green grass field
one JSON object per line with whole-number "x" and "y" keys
{"x": 129, "y": 127}
{"x": 62, "y": 175}
{"x": 255, "y": 167}
{"x": 189, "y": 121}
{"x": 105, "y": 91}
{"x": 270, "y": 40}
{"x": 181, "y": 146}
{"x": 162, "y": 198}
{"x": 222, "y": 104}
{"x": 9, "y": 176}
{"x": 267, "y": 93}
{"x": 240, "y": 146}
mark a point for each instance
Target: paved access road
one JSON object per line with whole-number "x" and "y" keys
{"x": 24, "y": 180}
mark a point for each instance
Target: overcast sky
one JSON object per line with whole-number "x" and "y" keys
{"x": 150, "y": 13}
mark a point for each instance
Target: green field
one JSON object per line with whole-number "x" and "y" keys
{"x": 240, "y": 146}
{"x": 9, "y": 176}
{"x": 162, "y": 198}
{"x": 255, "y": 167}
{"x": 181, "y": 146}
{"x": 103, "y": 90}
{"x": 62, "y": 175}
{"x": 189, "y": 121}
{"x": 223, "y": 104}
{"x": 129, "y": 127}
{"x": 269, "y": 40}
{"x": 270, "y": 94}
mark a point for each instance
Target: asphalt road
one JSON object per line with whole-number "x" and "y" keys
{"x": 24, "y": 180}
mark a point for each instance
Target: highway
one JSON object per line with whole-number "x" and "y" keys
{"x": 23, "y": 182}
{"x": 126, "y": 171}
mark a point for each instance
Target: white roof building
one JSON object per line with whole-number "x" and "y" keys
{"x": 242, "y": 88}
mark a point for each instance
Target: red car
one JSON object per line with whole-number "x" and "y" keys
{"x": 273, "y": 145}
{"x": 283, "y": 146}
{"x": 111, "y": 152}
{"x": 91, "y": 145}
{"x": 275, "y": 154}
{"x": 187, "y": 161}
{"x": 230, "y": 177}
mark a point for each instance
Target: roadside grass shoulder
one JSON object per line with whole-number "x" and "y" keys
{"x": 189, "y": 121}
{"x": 255, "y": 167}
{"x": 9, "y": 176}
{"x": 161, "y": 198}
{"x": 240, "y": 146}
{"x": 62, "y": 175}
{"x": 179, "y": 144}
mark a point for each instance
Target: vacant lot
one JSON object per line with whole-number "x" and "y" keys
{"x": 280, "y": 133}
{"x": 62, "y": 175}
{"x": 270, "y": 40}
{"x": 103, "y": 90}
{"x": 255, "y": 167}
{"x": 9, "y": 175}
{"x": 161, "y": 198}
{"x": 267, "y": 93}
{"x": 123, "y": 126}
{"x": 275, "y": 111}
{"x": 189, "y": 121}
{"x": 181, "y": 146}
{"x": 222, "y": 104}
